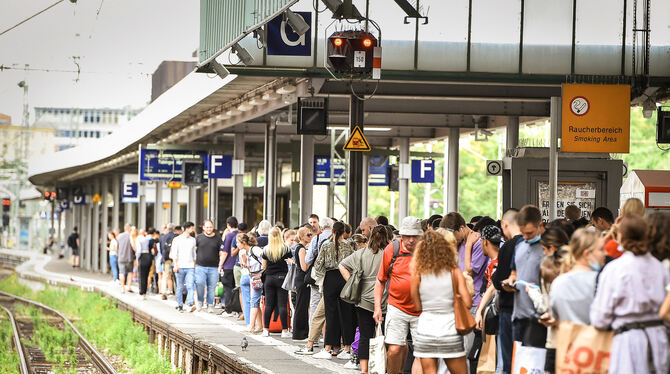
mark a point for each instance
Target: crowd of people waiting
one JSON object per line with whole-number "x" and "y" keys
{"x": 518, "y": 277}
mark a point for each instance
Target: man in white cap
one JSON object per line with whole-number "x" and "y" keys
{"x": 401, "y": 316}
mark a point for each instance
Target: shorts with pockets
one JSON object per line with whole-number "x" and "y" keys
{"x": 125, "y": 268}
{"x": 398, "y": 325}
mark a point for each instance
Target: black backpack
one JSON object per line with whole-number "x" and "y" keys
{"x": 309, "y": 281}
{"x": 165, "y": 252}
{"x": 71, "y": 241}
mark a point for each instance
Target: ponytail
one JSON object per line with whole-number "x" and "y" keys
{"x": 338, "y": 232}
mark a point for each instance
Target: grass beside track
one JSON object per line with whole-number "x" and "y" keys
{"x": 100, "y": 322}
{"x": 9, "y": 359}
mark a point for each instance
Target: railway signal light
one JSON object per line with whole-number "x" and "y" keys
{"x": 193, "y": 172}
{"x": 50, "y": 195}
{"x": 353, "y": 53}
{"x": 6, "y": 204}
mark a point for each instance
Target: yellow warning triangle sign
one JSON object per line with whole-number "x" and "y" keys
{"x": 357, "y": 141}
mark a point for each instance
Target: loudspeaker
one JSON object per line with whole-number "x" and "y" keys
{"x": 663, "y": 127}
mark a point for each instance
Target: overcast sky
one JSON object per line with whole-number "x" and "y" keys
{"x": 118, "y": 49}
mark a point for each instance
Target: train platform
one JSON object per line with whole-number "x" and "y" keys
{"x": 264, "y": 354}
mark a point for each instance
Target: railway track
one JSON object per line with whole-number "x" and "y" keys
{"x": 32, "y": 359}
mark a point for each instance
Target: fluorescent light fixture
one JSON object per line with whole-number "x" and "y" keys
{"x": 245, "y": 106}
{"x": 271, "y": 96}
{"x": 289, "y": 88}
{"x": 219, "y": 69}
{"x": 296, "y": 22}
{"x": 364, "y": 129}
{"x": 242, "y": 54}
{"x": 257, "y": 101}
{"x": 222, "y": 116}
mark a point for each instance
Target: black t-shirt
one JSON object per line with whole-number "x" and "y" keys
{"x": 72, "y": 240}
{"x": 277, "y": 268}
{"x": 505, "y": 257}
{"x": 208, "y": 249}
{"x": 300, "y": 275}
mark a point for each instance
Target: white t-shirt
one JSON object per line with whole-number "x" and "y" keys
{"x": 254, "y": 265}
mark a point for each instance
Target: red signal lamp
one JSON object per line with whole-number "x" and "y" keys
{"x": 6, "y": 202}
{"x": 337, "y": 42}
{"x": 367, "y": 43}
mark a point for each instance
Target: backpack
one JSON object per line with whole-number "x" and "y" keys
{"x": 396, "y": 254}
{"x": 71, "y": 241}
{"x": 168, "y": 247}
{"x": 309, "y": 281}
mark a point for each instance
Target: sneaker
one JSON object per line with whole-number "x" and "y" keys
{"x": 351, "y": 365}
{"x": 265, "y": 333}
{"x": 305, "y": 351}
{"x": 344, "y": 355}
{"x": 163, "y": 297}
{"x": 323, "y": 354}
{"x": 286, "y": 334}
{"x": 180, "y": 309}
{"x": 210, "y": 309}
{"x": 199, "y": 307}
{"x": 192, "y": 308}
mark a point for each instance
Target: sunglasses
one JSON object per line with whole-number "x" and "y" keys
{"x": 310, "y": 235}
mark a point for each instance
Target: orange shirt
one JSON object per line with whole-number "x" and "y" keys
{"x": 612, "y": 249}
{"x": 399, "y": 284}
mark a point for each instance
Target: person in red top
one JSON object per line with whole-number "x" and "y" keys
{"x": 491, "y": 239}
{"x": 401, "y": 316}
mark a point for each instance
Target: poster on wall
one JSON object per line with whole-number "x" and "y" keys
{"x": 580, "y": 194}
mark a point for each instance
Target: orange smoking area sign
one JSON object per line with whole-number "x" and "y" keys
{"x": 595, "y": 118}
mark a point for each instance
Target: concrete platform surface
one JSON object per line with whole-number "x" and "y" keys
{"x": 267, "y": 354}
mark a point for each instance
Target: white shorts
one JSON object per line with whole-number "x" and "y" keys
{"x": 398, "y": 325}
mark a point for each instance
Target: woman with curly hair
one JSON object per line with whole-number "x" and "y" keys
{"x": 630, "y": 292}
{"x": 433, "y": 293}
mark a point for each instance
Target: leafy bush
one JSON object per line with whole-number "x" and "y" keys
{"x": 9, "y": 360}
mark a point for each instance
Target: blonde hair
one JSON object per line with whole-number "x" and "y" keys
{"x": 633, "y": 206}
{"x": 448, "y": 236}
{"x": 276, "y": 247}
{"x": 303, "y": 231}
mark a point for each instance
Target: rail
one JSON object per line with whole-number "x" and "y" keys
{"x": 23, "y": 363}
{"x": 96, "y": 357}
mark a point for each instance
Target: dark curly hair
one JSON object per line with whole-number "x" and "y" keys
{"x": 634, "y": 238}
{"x": 433, "y": 254}
{"x": 658, "y": 234}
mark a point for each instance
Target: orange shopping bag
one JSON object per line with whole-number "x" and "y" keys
{"x": 582, "y": 349}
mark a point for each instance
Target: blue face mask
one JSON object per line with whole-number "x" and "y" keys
{"x": 534, "y": 240}
{"x": 595, "y": 266}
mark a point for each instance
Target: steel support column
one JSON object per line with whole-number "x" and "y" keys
{"x": 238, "y": 177}
{"x": 80, "y": 222}
{"x": 142, "y": 214}
{"x": 88, "y": 229}
{"x": 213, "y": 201}
{"x": 364, "y": 190}
{"x": 553, "y": 154}
{"x": 127, "y": 215}
{"x": 294, "y": 216}
{"x": 270, "y": 185}
{"x": 192, "y": 206}
{"x": 95, "y": 228}
{"x": 174, "y": 206}
{"x": 306, "y": 176}
{"x": 451, "y": 171}
{"x": 355, "y": 177}
{"x": 104, "y": 223}
{"x": 59, "y": 229}
{"x": 116, "y": 192}
{"x": 512, "y": 134}
{"x": 404, "y": 175}
{"x": 158, "y": 205}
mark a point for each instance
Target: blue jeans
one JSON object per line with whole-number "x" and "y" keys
{"x": 185, "y": 276}
{"x": 113, "y": 263}
{"x": 206, "y": 276}
{"x": 245, "y": 287}
{"x": 505, "y": 340}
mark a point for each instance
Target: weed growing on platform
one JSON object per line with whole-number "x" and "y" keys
{"x": 9, "y": 359}
{"x": 101, "y": 323}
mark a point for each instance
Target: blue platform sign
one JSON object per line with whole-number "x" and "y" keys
{"x": 78, "y": 196}
{"x": 423, "y": 171}
{"x": 130, "y": 191}
{"x": 322, "y": 170}
{"x": 165, "y": 165}
{"x": 282, "y": 41}
{"x": 64, "y": 205}
{"x": 378, "y": 171}
{"x": 220, "y": 166}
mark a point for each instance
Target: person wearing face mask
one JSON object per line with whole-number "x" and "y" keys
{"x": 528, "y": 255}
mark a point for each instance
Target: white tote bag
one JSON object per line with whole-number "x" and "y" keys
{"x": 527, "y": 359}
{"x": 377, "y": 360}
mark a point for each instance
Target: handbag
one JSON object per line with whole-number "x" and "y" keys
{"x": 289, "y": 279}
{"x": 377, "y": 360}
{"x": 491, "y": 316}
{"x": 256, "y": 278}
{"x": 351, "y": 292}
{"x": 527, "y": 359}
{"x": 465, "y": 323}
{"x": 234, "y": 302}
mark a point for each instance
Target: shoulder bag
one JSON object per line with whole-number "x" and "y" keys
{"x": 351, "y": 292}
{"x": 289, "y": 280}
{"x": 256, "y": 278}
{"x": 465, "y": 323}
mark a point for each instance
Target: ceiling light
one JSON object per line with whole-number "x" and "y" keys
{"x": 219, "y": 69}
{"x": 271, "y": 96}
{"x": 233, "y": 112}
{"x": 222, "y": 116}
{"x": 289, "y": 88}
{"x": 296, "y": 22}
{"x": 256, "y": 101}
{"x": 242, "y": 54}
{"x": 245, "y": 106}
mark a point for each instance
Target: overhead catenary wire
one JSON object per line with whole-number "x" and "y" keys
{"x": 31, "y": 17}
